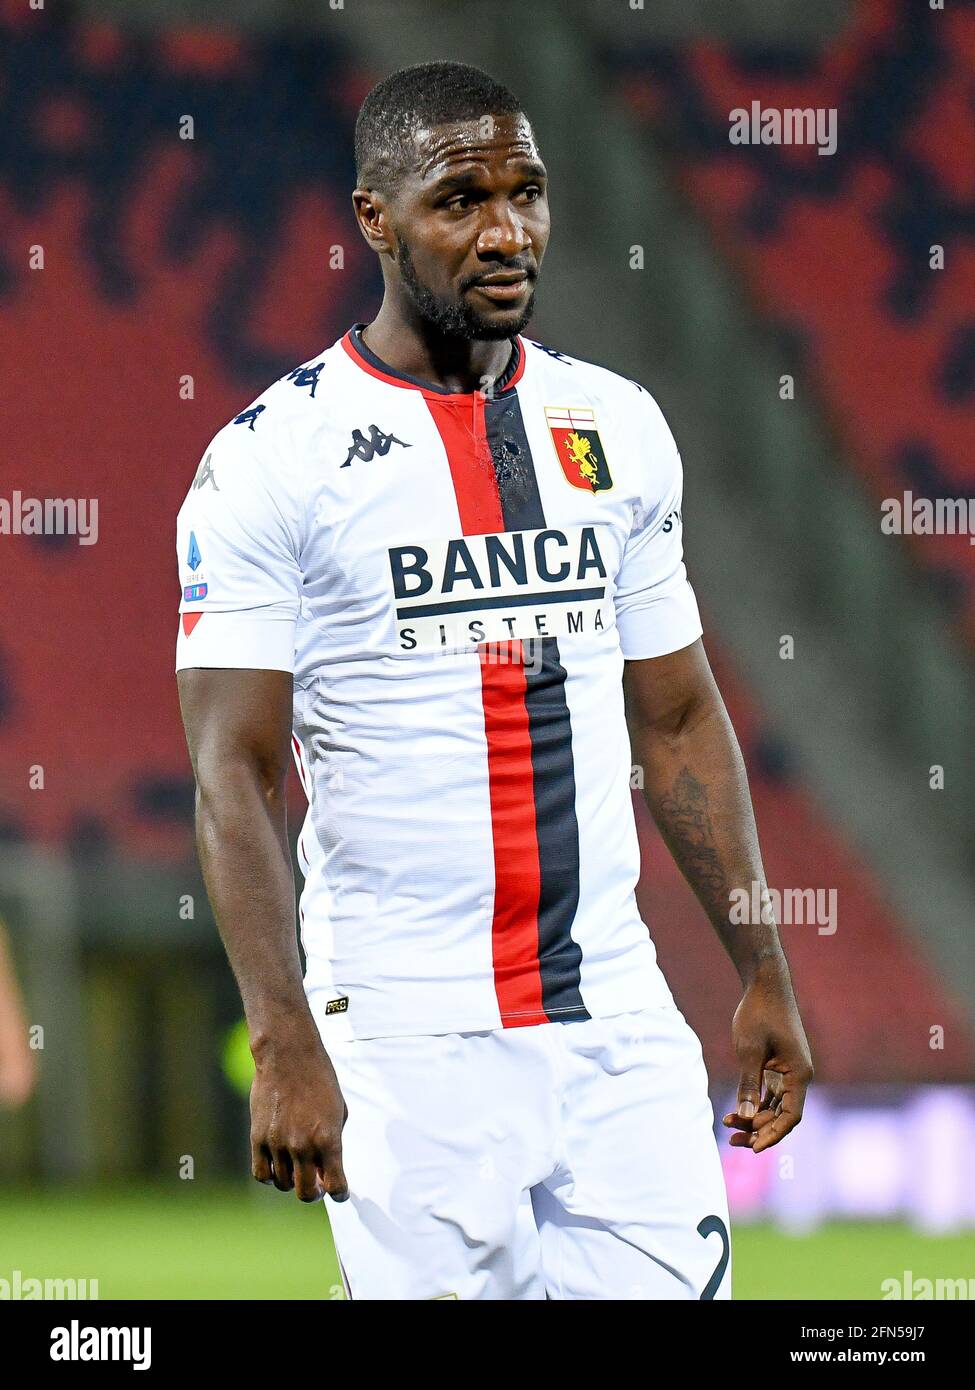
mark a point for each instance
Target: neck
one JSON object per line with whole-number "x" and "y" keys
{"x": 417, "y": 348}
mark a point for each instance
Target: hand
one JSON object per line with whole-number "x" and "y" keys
{"x": 297, "y": 1117}
{"x": 773, "y": 1055}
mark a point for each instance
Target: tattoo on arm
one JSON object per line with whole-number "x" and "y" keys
{"x": 684, "y": 818}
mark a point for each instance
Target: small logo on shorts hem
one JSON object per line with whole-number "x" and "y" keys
{"x": 338, "y": 1006}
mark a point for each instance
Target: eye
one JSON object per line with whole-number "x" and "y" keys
{"x": 460, "y": 202}
{"x": 533, "y": 193}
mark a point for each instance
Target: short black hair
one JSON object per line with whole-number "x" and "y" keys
{"x": 414, "y": 98}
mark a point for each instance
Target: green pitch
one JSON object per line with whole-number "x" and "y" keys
{"x": 251, "y": 1242}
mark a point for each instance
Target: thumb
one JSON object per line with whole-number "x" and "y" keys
{"x": 750, "y": 1085}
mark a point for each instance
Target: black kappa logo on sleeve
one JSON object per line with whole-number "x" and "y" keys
{"x": 247, "y": 417}
{"x": 367, "y": 449}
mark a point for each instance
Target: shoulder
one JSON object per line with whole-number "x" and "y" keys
{"x": 564, "y": 380}
{"x": 290, "y": 408}
{"x": 555, "y": 368}
{"x": 268, "y": 443}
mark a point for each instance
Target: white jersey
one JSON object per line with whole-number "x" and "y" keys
{"x": 454, "y": 580}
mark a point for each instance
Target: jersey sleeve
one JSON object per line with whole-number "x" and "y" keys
{"x": 238, "y": 540}
{"x": 656, "y": 611}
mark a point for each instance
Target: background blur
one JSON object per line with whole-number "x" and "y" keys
{"x": 807, "y": 322}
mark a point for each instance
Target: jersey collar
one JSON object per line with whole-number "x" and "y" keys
{"x": 365, "y": 358}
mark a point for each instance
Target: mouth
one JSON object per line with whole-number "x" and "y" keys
{"x": 503, "y": 287}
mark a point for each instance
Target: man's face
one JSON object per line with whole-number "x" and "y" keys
{"x": 471, "y": 223}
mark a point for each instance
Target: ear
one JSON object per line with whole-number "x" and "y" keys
{"x": 373, "y": 219}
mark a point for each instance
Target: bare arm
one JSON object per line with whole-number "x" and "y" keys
{"x": 238, "y": 730}
{"x": 697, "y": 791}
{"x": 17, "y": 1069}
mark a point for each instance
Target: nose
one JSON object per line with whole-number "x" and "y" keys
{"x": 504, "y": 237}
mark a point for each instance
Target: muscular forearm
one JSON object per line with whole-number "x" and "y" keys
{"x": 238, "y": 731}
{"x": 246, "y": 862}
{"x": 695, "y": 785}
{"x": 697, "y": 791}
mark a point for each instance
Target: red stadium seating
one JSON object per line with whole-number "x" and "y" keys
{"x": 837, "y": 248}
{"x": 163, "y": 258}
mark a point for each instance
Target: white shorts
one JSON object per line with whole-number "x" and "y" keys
{"x": 566, "y": 1160}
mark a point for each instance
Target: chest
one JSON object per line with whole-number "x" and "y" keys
{"x": 456, "y": 519}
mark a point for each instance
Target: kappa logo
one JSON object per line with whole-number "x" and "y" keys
{"x": 247, "y": 417}
{"x": 204, "y": 475}
{"x": 550, "y": 351}
{"x": 377, "y": 443}
{"x": 578, "y": 446}
{"x": 306, "y": 376}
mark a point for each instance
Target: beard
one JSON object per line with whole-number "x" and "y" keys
{"x": 455, "y": 318}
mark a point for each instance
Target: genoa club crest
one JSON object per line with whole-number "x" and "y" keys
{"x": 578, "y": 446}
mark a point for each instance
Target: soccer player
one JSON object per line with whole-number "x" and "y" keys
{"x": 433, "y": 559}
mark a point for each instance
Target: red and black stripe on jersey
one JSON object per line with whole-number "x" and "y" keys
{"x": 528, "y": 730}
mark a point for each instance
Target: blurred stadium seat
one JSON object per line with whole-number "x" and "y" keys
{"x": 207, "y": 257}
{"x": 838, "y": 250}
